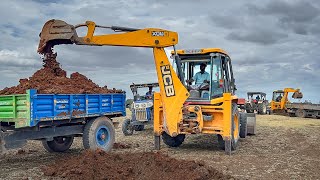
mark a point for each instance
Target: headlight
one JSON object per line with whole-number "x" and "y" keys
{"x": 142, "y": 105}
{"x": 150, "y": 104}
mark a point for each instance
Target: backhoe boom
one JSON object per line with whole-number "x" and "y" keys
{"x": 56, "y": 32}
{"x": 173, "y": 93}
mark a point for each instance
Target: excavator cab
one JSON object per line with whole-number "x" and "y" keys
{"x": 277, "y": 95}
{"x": 213, "y": 81}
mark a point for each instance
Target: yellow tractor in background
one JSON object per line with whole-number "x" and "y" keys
{"x": 280, "y": 99}
{"x": 180, "y": 107}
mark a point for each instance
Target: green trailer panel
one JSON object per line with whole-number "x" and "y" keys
{"x": 15, "y": 108}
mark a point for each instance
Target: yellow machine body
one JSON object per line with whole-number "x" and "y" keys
{"x": 171, "y": 105}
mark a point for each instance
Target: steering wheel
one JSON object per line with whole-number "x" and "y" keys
{"x": 202, "y": 86}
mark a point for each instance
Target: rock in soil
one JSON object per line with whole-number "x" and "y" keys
{"x": 143, "y": 165}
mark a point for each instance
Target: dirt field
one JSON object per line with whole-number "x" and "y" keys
{"x": 283, "y": 148}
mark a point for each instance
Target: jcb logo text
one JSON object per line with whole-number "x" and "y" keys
{"x": 158, "y": 33}
{"x": 167, "y": 81}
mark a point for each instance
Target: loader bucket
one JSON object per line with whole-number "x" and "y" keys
{"x": 56, "y": 32}
{"x": 297, "y": 95}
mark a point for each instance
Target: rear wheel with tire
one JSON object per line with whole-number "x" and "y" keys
{"x": 127, "y": 128}
{"x": 231, "y": 145}
{"x": 243, "y": 125}
{"x": 173, "y": 141}
{"x": 99, "y": 134}
{"x": 58, "y": 144}
{"x": 301, "y": 113}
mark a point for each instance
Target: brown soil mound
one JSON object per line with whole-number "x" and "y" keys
{"x": 51, "y": 79}
{"x": 101, "y": 165}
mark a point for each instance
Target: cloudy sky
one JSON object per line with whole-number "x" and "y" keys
{"x": 273, "y": 44}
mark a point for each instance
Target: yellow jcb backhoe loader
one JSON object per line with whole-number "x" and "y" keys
{"x": 179, "y": 109}
{"x": 280, "y": 99}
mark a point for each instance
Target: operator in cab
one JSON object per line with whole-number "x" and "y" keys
{"x": 278, "y": 99}
{"x": 200, "y": 77}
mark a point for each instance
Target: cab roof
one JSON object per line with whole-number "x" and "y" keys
{"x": 278, "y": 91}
{"x": 200, "y": 51}
{"x": 262, "y": 93}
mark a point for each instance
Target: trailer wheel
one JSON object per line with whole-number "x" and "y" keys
{"x": 58, "y": 144}
{"x": 99, "y": 134}
{"x": 173, "y": 141}
{"x": 139, "y": 127}
{"x": 127, "y": 128}
{"x": 235, "y": 132}
{"x": 301, "y": 113}
{"x": 243, "y": 125}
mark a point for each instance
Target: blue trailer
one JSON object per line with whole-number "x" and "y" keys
{"x": 56, "y": 119}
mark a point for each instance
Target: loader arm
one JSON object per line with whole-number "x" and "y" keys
{"x": 173, "y": 93}
{"x": 296, "y": 95}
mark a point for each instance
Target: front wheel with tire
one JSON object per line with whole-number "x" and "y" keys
{"x": 127, "y": 128}
{"x": 58, "y": 144}
{"x": 99, "y": 134}
{"x": 231, "y": 144}
{"x": 262, "y": 108}
{"x": 173, "y": 141}
{"x": 249, "y": 108}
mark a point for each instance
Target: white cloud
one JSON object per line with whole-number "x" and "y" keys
{"x": 17, "y": 58}
{"x": 257, "y": 48}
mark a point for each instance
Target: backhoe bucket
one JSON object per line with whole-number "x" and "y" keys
{"x": 56, "y": 32}
{"x": 297, "y": 95}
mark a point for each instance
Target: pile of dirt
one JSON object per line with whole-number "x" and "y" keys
{"x": 51, "y": 79}
{"x": 148, "y": 165}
